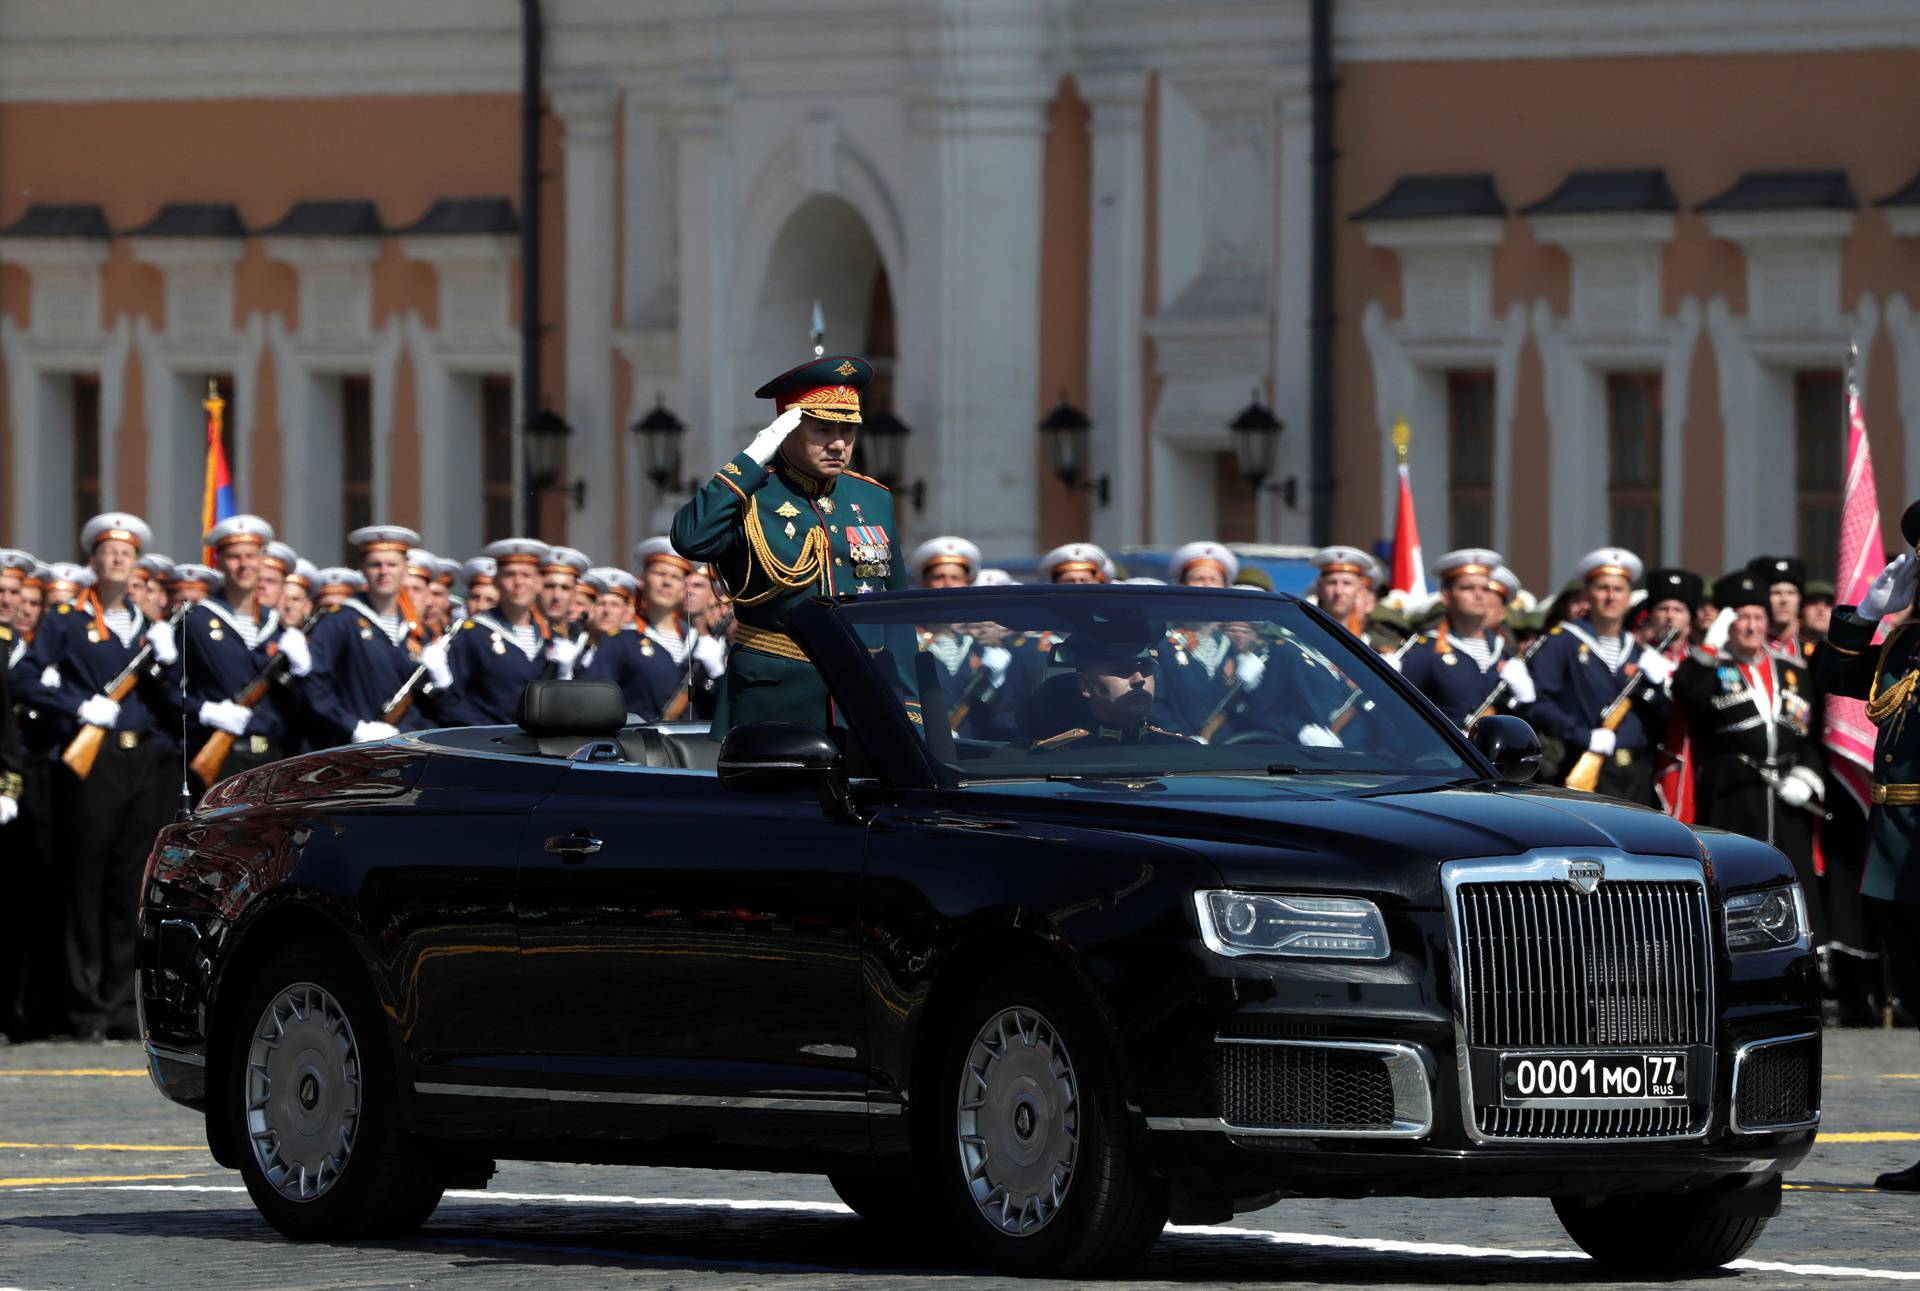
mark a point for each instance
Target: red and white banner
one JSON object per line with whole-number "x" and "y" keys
{"x": 1409, "y": 569}
{"x": 1849, "y": 735}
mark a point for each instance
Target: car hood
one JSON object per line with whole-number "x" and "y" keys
{"x": 1384, "y": 836}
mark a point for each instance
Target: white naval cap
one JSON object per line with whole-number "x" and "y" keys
{"x": 1076, "y": 556}
{"x": 158, "y": 566}
{"x": 479, "y": 571}
{"x": 566, "y": 560}
{"x": 1507, "y": 583}
{"x": 1195, "y": 553}
{"x": 206, "y": 575}
{"x": 421, "y": 561}
{"x": 122, "y": 526}
{"x": 66, "y": 572}
{"x": 606, "y": 579}
{"x": 280, "y": 555}
{"x": 13, "y": 560}
{"x": 946, "y": 550}
{"x": 238, "y": 528}
{"x": 445, "y": 570}
{"x": 1143, "y": 581}
{"x": 383, "y": 537}
{"x": 1346, "y": 560}
{"x": 521, "y": 551}
{"x": 661, "y": 549}
{"x": 1610, "y": 560}
{"x": 993, "y": 578}
{"x": 1467, "y": 560}
{"x": 305, "y": 572}
{"x": 340, "y": 576}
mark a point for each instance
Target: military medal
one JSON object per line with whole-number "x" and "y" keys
{"x": 499, "y": 646}
{"x": 1450, "y": 658}
{"x": 646, "y": 648}
{"x": 789, "y": 529}
{"x": 93, "y": 636}
{"x": 786, "y": 511}
{"x": 826, "y": 505}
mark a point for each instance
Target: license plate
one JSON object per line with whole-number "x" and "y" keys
{"x": 1532, "y": 1078}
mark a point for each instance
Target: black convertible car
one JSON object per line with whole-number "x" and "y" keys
{"x": 1082, "y": 908}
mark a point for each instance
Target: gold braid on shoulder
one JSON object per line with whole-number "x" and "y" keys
{"x": 1883, "y": 705}
{"x": 784, "y": 577}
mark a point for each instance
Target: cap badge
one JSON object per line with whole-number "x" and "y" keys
{"x": 846, "y": 369}
{"x": 786, "y": 511}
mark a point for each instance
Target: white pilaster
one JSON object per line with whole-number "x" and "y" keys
{"x": 586, "y": 115}
{"x": 1293, "y": 323}
{"x": 1118, "y": 102}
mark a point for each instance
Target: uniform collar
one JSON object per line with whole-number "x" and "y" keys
{"x": 803, "y": 484}
{"x": 218, "y": 607}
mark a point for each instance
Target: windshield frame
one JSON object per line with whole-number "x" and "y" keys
{"x": 902, "y": 755}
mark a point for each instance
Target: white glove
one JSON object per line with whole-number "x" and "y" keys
{"x": 1892, "y": 589}
{"x": 434, "y": 658}
{"x": 1716, "y": 639}
{"x": 9, "y": 808}
{"x": 160, "y": 636}
{"x": 1519, "y": 681}
{"x": 368, "y": 732}
{"x": 1315, "y": 736}
{"x": 293, "y": 644}
{"x": 772, "y": 435}
{"x": 1793, "y": 791}
{"x": 1248, "y": 669}
{"x": 561, "y": 653}
{"x": 225, "y": 715}
{"x": 1654, "y": 667}
{"x": 711, "y": 653}
{"x": 50, "y": 677}
{"x": 1810, "y": 779}
{"x": 996, "y": 659}
{"x": 99, "y": 711}
{"x": 1602, "y": 741}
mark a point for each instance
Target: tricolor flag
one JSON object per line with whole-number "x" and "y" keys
{"x": 216, "y": 500}
{"x": 1849, "y": 735}
{"x": 1409, "y": 569}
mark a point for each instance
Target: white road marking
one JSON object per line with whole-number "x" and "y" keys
{"x": 1379, "y": 1245}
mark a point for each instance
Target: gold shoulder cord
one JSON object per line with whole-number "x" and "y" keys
{"x": 1893, "y": 702}
{"x": 784, "y": 577}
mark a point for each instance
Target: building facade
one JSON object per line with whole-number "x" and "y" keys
{"x": 1607, "y": 260}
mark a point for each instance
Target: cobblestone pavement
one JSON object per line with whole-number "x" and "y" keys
{"x": 105, "y": 1184}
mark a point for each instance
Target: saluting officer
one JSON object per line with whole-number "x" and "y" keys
{"x": 1587, "y": 663}
{"x": 231, "y": 639}
{"x": 108, "y": 817}
{"x": 1887, "y": 677}
{"x": 786, "y": 520}
{"x": 1458, "y": 664}
{"x": 482, "y": 667}
{"x": 365, "y": 648}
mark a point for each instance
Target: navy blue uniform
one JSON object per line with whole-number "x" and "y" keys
{"x": 1575, "y": 686}
{"x": 663, "y": 675}
{"x": 1186, "y": 690}
{"x": 357, "y": 669}
{"x": 617, "y": 659}
{"x": 989, "y": 707}
{"x": 489, "y": 671}
{"x": 220, "y": 664}
{"x": 88, "y": 659}
{"x": 1450, "y": 677}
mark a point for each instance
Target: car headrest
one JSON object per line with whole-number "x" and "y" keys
{"x": 571, "y": 708}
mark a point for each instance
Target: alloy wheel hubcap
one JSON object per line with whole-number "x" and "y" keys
{"x": 1019, "y": 1121}
{"x": 303, "y": 1092}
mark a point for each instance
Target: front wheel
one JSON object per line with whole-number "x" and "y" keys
{"x": 310, "y": 1091}
{"x": 1662, "y": 1233}
{"x": 1036, "y": 1161}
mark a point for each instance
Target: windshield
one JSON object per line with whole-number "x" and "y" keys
{"x": 1097, "y": 681}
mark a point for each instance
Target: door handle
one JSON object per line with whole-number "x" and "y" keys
{"x": 573, "y": 846}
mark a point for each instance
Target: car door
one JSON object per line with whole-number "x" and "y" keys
{"x": 696, "y": 951}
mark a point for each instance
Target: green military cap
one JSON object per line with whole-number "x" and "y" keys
{"x": 1253, "y": 576}
{"x": 1818, "y": 589}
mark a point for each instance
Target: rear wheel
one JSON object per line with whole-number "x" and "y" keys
{"x": 1035, "y": 1158}
{"x": 311, "y": 1093}
{"x": 1662, "y": 1232}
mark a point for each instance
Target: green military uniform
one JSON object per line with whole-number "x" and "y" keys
{"x": 1887, "y": 676}
{"x": 778, "y": 537}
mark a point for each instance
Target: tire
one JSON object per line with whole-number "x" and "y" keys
{"x": 1032, "y": 1150}
{"x": 1665, "y": 1233}
{"x": 311, "y": 1104}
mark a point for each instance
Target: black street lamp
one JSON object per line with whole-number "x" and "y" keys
{"x": 1256, "y": 446}
{"x": 883, "y": 448}
{"x": 661, "y": 434}
{"x": 1067, "y": 433}
{"x": 546, "y": 434}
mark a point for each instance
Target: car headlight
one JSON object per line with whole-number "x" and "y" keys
{"x": 1260, "y": 923}
{"x": 1767, "y": 918}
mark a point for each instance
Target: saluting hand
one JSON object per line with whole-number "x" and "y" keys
{"x": 1892, "y": 589}
{"x": 772, "y": 435}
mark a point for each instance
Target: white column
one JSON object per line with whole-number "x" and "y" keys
{"x": 706, "y": 397}
{"x": 586, "y": 115}
{"x": 1118, "y": 102}
{"x": 1293, "y": 323}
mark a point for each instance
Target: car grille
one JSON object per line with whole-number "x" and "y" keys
{"x": 1778, "y": 1085}
{"x": 1584, "y": 1122}
{"x": 1302, "y": 1086}
{"x": 1545, "y": 966}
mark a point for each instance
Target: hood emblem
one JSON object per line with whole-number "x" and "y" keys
{"x": 1584, "y": 876}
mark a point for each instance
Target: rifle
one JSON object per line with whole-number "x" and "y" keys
{"x": 1218, "y": 717}
{"x": 207, "y": 762}
{"x": 1585, "y": 775}
{"x": 82, "y": 751}
{"x": 975, "y": 690}
{"x": 402, "y": 698}
{"x": 676, "y": 707}
{"x": 1775, "y": 782}
{"x": 1498, "y": 695}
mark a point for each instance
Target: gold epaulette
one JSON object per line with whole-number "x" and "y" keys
{"x": 64, "y": 608}
{"x": 867, "y": 479}
{"x": 1058, "y": 741}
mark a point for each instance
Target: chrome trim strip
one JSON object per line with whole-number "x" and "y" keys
{"x": 1548, "y": 866}
{"x": 168, "y": 1053}
{"x": 1740, "y": 1057}
{"x": 1407, "y": 1067}
{"x": 537, "y": 1094}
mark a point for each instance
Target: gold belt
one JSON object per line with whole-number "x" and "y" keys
{"x": 1897, "y": 795}
{"x": 779, "y": 644}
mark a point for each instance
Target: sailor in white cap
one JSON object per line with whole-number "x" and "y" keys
{"x": 560, "y": 601}
{"x": 332, "y": 585}
{"x": 1460, "y": 662}
{"x": 417, "y": 584}
{"x": 482, "y": 666}
{"x": 477, "y": 576}
{"x": 440, "y": 595}
{"x": 367, "y": 645}
{"x": 152, "y": 584}
{"x": 667, "y": 642}
{"x": 110, "y": 814}
{"x": 194, "y": 582}
{"x": 1202, "y": 564}
{"x": 15, "y": 566}
{"x": 944, "y": 562}
{"x": 66, "y": 583}
{"x": 991, "y": 577}
{"x": 1345, "y": 573}
{"x": 611, "y": 652}
{"x": 277, "y": 563}
{"x": 1587, "y": 663}
{"x": 1077, "y": 562}
{"x": 297, "y": 595}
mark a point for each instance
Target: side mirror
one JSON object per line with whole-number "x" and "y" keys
{"x": 1510, "y": 744}
{"x": 772, "y": 757}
